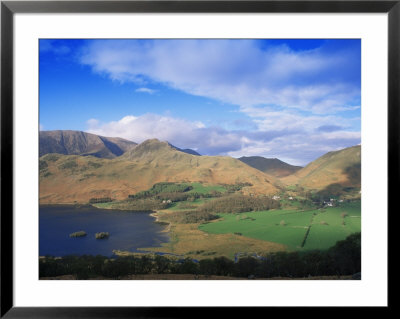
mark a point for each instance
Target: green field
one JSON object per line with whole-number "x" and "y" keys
{"x": 289, "y": 227}
{"x": 205, "y": 189}
{"x": 323, "y": 235}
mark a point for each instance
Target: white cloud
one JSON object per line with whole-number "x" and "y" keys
{"x": 145, "y": 90}
{"x": 291, "y": 120}
{"x": 298, "y": 104}
{"x": 233, "y": 71}
{"x": 92, "y": 122}
{"x": 297, "y": 147}
{"x": 41, "y": 127}
{"x": 179, "y": 132}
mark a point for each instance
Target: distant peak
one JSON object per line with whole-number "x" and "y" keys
{"x": 70, "y": 142}
{"x": 152, "y": 140}
{"x": 153, "y": 146}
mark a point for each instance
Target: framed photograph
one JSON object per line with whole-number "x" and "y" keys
{"x": 164, "y": 155}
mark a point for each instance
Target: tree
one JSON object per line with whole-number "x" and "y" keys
{"x": 207, "y": 267}
{"x": 223, "y": 266}
{"x": 188, "y": 266}
{"x": 346, "y": 255}
{"x": 161, "y": 264}
{"x": 246, "y": 266}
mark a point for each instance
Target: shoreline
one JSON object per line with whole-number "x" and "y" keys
{"x": 154, "y": 214}
{"x": 87, "y": 205}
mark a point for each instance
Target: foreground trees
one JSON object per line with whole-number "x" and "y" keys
{"x": 238, "y": 203}
{"x": 342, "y": 259}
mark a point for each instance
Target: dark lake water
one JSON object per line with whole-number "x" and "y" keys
{"x": 128, "y": 230}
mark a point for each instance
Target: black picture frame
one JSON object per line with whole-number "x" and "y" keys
{"x": 9, "y": 8}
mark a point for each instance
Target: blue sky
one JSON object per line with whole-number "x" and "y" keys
{"x": 290, "y": 99}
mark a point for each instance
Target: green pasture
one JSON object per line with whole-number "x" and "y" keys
{"x": 286, "y": 227}
{"x": 330, "y": 226}
{"x": 205, "y": 189}
{"x": 289, "y": 227}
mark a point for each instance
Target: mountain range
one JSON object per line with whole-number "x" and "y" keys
{"x": 69, "y": 142}
{"x": 76, "y": 166}
{"x": 74, "y": 178}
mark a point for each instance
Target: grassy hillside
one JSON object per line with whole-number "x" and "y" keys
{"x": 340, "y": 167}
{"x": 71, "y": 178}
{"x": 272, "y": 166}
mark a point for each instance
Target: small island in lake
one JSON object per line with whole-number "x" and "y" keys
{"x": 78, "y": 234}
{"x": 102, "y": 235}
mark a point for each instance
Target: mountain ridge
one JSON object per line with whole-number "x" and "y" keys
{"x": 69, "y": 142}
{"x": 336, "y": 167}
{"x": 79, "y": 178}
{"x": 272, "y": 166}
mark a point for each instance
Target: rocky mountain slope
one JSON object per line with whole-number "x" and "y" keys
{"x": 82, "y": 143}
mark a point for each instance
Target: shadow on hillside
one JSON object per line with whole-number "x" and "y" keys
{"x": 353, "y": 184}
{"x": 353, "y": 173}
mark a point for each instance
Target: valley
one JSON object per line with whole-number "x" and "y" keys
{"x": 215, "y": 206}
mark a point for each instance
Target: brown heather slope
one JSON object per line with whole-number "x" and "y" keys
{"x": 82, "y": 143}
{"x": 341, "y": 167}
{"x": 271, "y": 166}
{"x": 68, "y": 179}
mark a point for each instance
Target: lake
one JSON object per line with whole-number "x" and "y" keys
{"x": 128, "y": 230}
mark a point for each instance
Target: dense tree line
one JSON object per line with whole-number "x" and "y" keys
{"x": 176, "y": 192}
{"x": 226, "y": 204}
{"x": 162, "y": 195}
{"x": 192, "y": 196}
{"x": 239, "y": 203}
{"x": 191, "y": 217}
{"x": 342, "y": 259}
{"x": 141, "y": 205}
{"x": 231, "y": 188}
{"x": 178, "y": 196}
{"x": 162, "y": 188}
{"x": 100, "y": 200}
